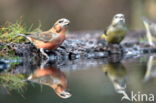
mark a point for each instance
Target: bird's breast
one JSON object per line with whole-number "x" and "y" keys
{"x": 116, "y": 36}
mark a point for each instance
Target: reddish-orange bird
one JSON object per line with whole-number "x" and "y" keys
{"x": 52, "y": 77}
{"x": 50, "y": 39}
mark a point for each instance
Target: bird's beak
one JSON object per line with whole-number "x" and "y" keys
{"x": 65, "y": 94}
{"x": 122, "y": 21}
{"x": 66, "y": 23}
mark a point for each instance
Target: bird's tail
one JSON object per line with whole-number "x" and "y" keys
{"x": 103, "y": 36}
{"x": 26, "y": 36}
{"x": 146, "y": 20}
{"x": 147, "y": 24}
{"x": 21, "y": 35}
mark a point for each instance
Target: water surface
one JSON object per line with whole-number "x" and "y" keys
{"x": 85, "y": 81}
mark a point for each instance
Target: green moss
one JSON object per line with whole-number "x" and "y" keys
{"x": 143, "y": 59}
{"x": 12, "y": 81}
{"x": 8, "y": 32}
{"x": 6, "y": 51}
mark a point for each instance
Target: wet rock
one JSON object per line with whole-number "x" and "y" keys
{"x": 3, "y": 66}
{"x": 84, "y": 50}
{"x": 82, "y": 45}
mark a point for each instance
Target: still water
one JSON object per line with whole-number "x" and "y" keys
{"x": 85, "y": 81}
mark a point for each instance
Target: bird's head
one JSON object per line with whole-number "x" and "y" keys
{"x": 118, "y": 19}
{"x": 61, "y": 24}
{"x": 62, "y": 92}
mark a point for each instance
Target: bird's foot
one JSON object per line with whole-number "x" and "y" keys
{"x": 46, "y": 55}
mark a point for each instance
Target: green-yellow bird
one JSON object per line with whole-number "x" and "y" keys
{"x": 117, "y": 30}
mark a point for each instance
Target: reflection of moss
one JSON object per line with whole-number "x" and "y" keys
{"x": 12, "y": 63}
{"x": 15, "y": 59}
{"x": 12, "y": 81}
{"x": 143, "y": 59}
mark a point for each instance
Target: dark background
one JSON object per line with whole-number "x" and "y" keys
{"x": 84, "y": 14}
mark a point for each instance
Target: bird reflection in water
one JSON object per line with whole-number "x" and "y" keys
{"x": 116, "y": 72}
{"x": 150, "y": 71}
{"x": 51, "y": 76}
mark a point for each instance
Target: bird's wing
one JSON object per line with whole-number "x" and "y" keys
{"x": 44, "y": 36}
{"x": 105, "y": 31}
{"x": 104, "y": 35}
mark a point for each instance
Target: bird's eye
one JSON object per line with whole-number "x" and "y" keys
{"x": 116, "y": 16}
{"x": 60, "y": 21}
